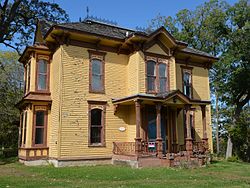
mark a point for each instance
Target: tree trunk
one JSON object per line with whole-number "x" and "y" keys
{"x": 229, "y": 147}
{"x": 217, "y": 122}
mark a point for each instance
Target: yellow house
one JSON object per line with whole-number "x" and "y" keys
{"x": 98, "y": 93}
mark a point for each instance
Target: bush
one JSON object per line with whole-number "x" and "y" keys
{"x": 233, "y": 159}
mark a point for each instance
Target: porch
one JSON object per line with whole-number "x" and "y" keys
{"x": 156, "y": 142}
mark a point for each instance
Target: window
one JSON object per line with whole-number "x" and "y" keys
{"x": 40, "y": 127}
{"x": 27, "y": 78}
{"x": 151, "y": 75}
{"x": 97, "y": 75}
{"x": 23, "y": 125}
{"x": 97, "y": 123}
{"x": 187, "y": 82}
{"x": 163, "y": 77}
{"x": 96, "y": 72}
{"x": 157, "y": 77}
{"x": 42, "y": 75}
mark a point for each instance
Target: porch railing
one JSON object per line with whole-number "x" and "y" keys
{"x": 199, "y": 147}
{"x": 124, "y": 148}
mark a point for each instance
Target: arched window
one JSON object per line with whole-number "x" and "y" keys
{"x": 97, "y": 111}
{"x": 97, "y": 75}
{"x": 151, "y": 76}
{"x": 42, "y": 74}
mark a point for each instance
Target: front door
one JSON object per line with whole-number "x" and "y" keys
{"x": 152, "y": 131}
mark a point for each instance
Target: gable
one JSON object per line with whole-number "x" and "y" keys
{"x": 156, "y": 49}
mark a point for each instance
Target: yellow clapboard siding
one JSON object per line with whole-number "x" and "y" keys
{"x": 55, "y": 66}
{"x": 74, "y": 128}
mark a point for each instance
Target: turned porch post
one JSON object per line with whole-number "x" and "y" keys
{"x": 204, "y": 123}
{"x": 158, "y": 130}
{"x": 138, "y": 127}
{"x": 189, "y": 140}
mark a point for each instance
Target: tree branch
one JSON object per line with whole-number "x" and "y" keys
{"x": 13, "y": 47}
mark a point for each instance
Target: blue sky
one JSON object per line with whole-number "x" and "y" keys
{"x": 127, "y": 13}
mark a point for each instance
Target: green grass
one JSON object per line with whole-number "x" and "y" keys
{"x": 217, "y": 174}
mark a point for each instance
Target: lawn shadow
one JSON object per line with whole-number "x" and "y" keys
{"x": 7, "y": 160}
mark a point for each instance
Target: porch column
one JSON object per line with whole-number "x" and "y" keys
{"x": 138, "y": 127}
{"x": 158, "y": 130}
{"x": 189, "y": 140}
{"x": 204, "y": 123}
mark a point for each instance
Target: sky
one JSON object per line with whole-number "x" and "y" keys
{"x": 127, "y": 13}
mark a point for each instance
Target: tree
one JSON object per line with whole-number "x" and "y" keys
{"x": 205, "y": 29}
{"x": 10, "y": 93}
{"x": 19, "y": 17}
{"x": 223, "y": 31}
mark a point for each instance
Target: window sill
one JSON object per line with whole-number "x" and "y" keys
{"x": 97, "y": 92}
{"x": 97, "y": 145}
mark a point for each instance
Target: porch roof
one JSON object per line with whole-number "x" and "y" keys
{"x": 174, "y": 97}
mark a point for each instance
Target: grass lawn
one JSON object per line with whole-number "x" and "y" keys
{"x": 217, "y": 174}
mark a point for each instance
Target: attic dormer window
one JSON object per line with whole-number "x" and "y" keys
{"x": 42, "y": 74}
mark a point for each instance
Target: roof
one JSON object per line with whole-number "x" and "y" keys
{"x": 99, "y": 28}
{"x": 198, "y": 52}
{"x": 161, "y": 97}
{"x": 112, "y": 31}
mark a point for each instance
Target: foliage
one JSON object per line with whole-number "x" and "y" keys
{"x": 223, "y": 31}
{"x": 233, "y": 159}
{"x": 240, "y": 134}
{"x": 18, "y": 19}
{"x": 10, "y": 93}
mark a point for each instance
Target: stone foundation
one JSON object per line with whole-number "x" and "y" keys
{"x": 181, "y": 159}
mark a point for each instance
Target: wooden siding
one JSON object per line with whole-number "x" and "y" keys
{"x": 32, "y": 74}
{"x": 141, "y": 72}
{"x": 156, "y": 49}
{"x": 132, "y": 71}
{"x": 172, "y": 73}
{"x": 201, "y": 91}
{"x": 55, "y": 83}
{"x": 75, "y": 94}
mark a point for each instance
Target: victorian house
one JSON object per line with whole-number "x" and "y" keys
{"x": 98, "y": 93}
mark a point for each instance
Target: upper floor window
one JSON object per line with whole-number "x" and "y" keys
{"x": 151, "y": 75}
{"x": 27, "y": 78}
{"x": 96, "y": 69}
{"x": 42, "y": 74}
{"x": 157, "y": 77}
{"x": 187, "y": 82}
{"x": 40, "y": 126}
{"x": 162, "y": 77}
{"x": 97, "y": 123}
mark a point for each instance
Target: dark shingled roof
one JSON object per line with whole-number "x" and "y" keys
{"x": 99, "y": 29}
{"x": 108, "y": 30}
{"x": 195, "y": 51}
{"x": 45, "y": 26}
